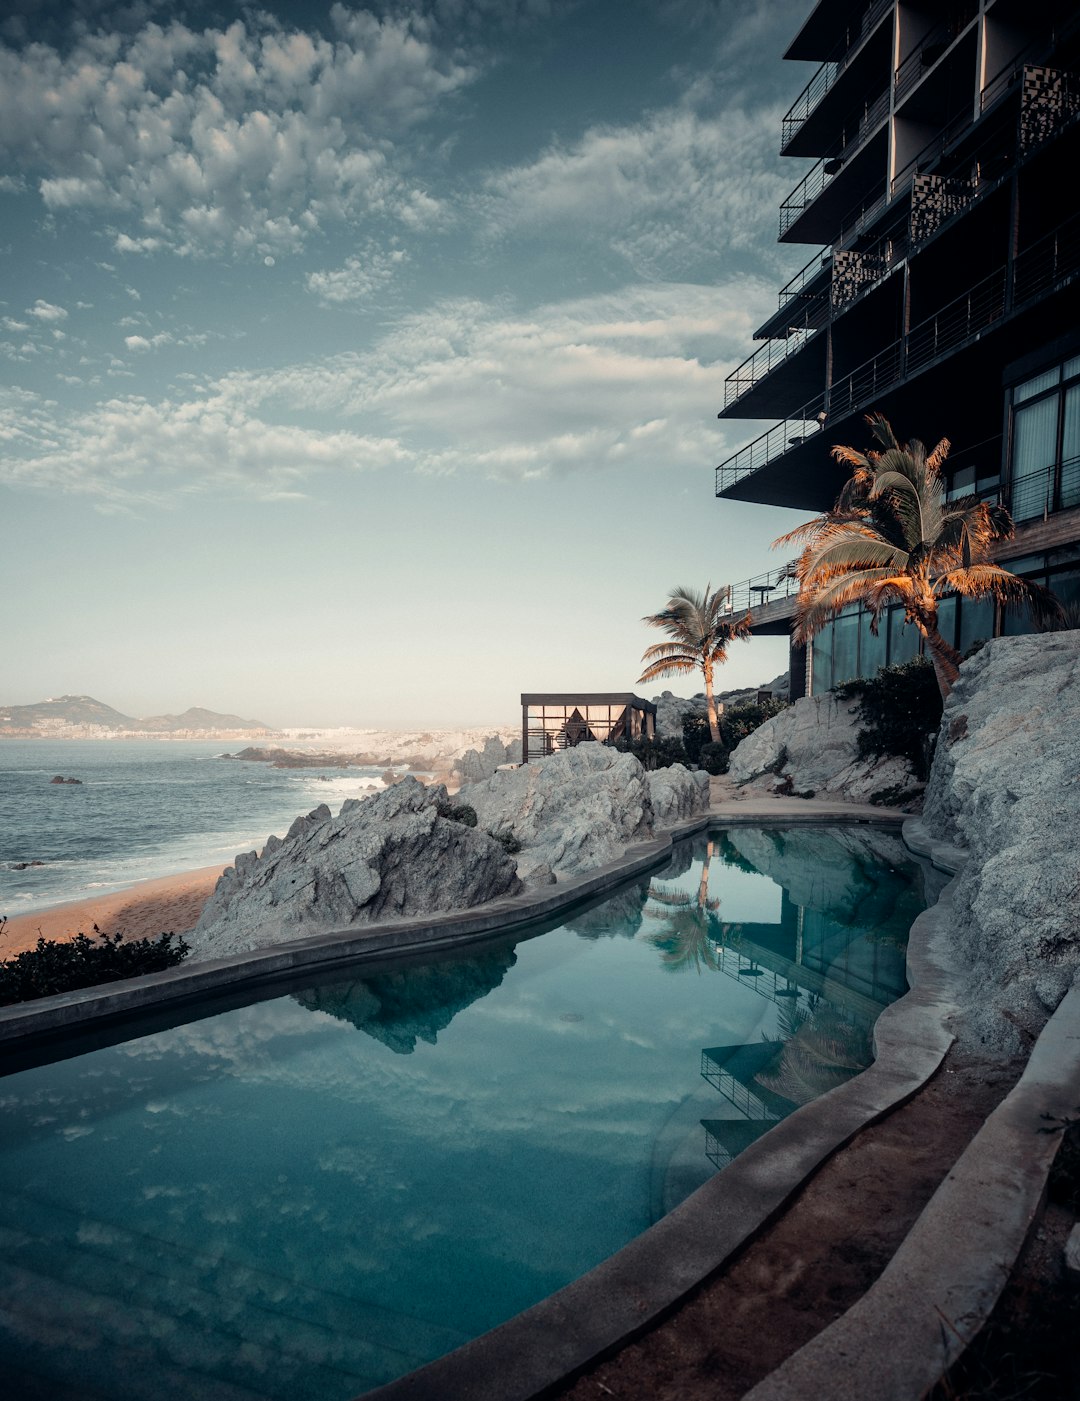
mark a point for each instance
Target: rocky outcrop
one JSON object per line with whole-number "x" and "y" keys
{"x": 581, "y": 807}
{"x": 571, "y": 812}
{"x": 671, "y": 711}
{"x": 477, "y": 764}
{"x": 677, "y": 794}
{"x": 1005, "y": 785}
{"x": 811, "y": 750}
{"x": 381, "y": 857}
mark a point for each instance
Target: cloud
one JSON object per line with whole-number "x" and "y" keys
{"x": 243, "y": 139}
{"x": 675, "y": 192}
{"x": 148, "y": 343}
{"x": 357, "y": 278}
{"x": 45, "y": 311}
{"x": 599, "y": 383}
{"x": 129, "y": 452}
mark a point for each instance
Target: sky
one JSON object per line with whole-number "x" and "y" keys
{"x": 361, "y": 363}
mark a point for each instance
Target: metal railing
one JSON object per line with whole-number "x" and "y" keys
{"x": 822, "y": 174}
{"x": 837, "y": 63}
{"x": 795, "y": 285}
{"x": 764, "y": 589}
{"x": 775, "y": 351}
{"x": 788, "y": 433}
{"x": 1055, "y": 256}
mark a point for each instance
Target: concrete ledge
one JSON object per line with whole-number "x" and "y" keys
{"x": 363, "y": 943}
{"x": 941, "y": 1286}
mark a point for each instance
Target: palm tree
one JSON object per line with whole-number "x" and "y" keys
{"x": 892, "y": 538}
{"x": 701, "y": 628}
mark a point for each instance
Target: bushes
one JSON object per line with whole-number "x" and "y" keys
{"x": 51, "y": 967}
{"x": 458, "y": 812}
{"x": 653, "y": 754}
{"x": 901, "y": 709}
{"x": 714, "y": 758}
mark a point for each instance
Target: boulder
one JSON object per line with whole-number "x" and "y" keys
{"x": 388, "y": 856}
{"x": 571, "y": 811}
{"x": 476, "y": 765}
{"x": 1005, "y": 784}
{"x": 671, "y": 711}
{"x": 677, "y": 794}
{"x": 811, "y": 749}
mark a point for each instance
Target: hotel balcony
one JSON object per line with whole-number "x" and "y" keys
{"x": 853, "y": 172}
{"x": 786, "y": 465}
{"x": 839, "y": 84}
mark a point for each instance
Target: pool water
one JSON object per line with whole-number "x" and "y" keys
{"x": 310, "y": 1195}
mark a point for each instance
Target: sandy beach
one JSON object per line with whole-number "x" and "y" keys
{"x": 147, "y": 909}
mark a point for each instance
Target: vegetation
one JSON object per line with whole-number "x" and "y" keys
{"x": 458, "y": 812}
{"x": 653, "y": 753}
{"x": 51, "y": 967}
{"x": 892, "y": 538}
{"x": 701, "y": 629}
{"x": 900, "y": 708}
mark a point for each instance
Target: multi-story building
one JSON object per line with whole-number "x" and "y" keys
{"x": 943, "y": 207}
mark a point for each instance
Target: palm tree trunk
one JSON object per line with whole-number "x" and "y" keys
{"x": 946, "y": 660}
{"x": 710, "y": 704}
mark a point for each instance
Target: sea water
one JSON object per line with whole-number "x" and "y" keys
{"x": 141, "y": 809}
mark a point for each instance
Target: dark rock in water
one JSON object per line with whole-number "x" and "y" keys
{"x": 412, "y": 1004}
{"x": 24, "y": 865}
{"x": 60, "y": 779}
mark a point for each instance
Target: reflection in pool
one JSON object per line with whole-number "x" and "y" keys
{"x": 307, "y": 1196}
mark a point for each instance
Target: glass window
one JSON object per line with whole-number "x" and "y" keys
{"x": 946, "y": 619}
{"x": 845, "y": 647}
{"x": 962, "y": 483}
{"x": 903, "y": 638}
{"x": 1031, "y": 387}
{"x": 1034, "y": 453}
{"x": 976, "y": 622}
{"x": 871, "y": 648}
{"x": 1069, "y": 488}
{"x": 1071, "y": 367}
{"x": 1066, "y": 588}
{"x": 1016, "y": 617}
{"x": 821, "y": 672}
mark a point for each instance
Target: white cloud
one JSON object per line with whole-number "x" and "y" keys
{"x": 10, "y": 324}
{"x": 148, "y": 343}
{"x": 246, "y": 139}
{"x": 675, "y": 191}
{"x": 632, "y": 379}
{"x": 45, "y": 311}
{"x": 357, "y": 278}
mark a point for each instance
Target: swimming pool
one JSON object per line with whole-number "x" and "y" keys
{"x": 312, "y": 1194}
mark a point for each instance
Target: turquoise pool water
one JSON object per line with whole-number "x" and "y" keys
{"x": 311, "y": 1194}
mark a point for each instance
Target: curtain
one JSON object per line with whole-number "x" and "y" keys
{"x": 1034, "y": 453}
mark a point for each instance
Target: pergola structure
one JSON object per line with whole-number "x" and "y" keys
{"x": 551, "y": 721}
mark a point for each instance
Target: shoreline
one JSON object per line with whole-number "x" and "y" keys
{"x": 143, "y": 910}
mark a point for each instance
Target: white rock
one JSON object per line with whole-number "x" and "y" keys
{"x": 1006, "y": 784}
{"x": 677, "y": 794}
{"x": 814, "y": 744}
{"x": 572, "y": 811}
{"x": 381, "y": 857}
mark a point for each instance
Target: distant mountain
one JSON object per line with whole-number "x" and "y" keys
{"x": 85, "y": 710}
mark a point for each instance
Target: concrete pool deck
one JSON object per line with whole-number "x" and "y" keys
{"x": 541, "y": 1349}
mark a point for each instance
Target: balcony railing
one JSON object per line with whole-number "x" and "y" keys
{"x": 764, "y": 588}
{"x": 837, "y": 62}
{"x": 803, "y": 277}
{"x": 1037, "y": 270}
{"x": 774, "y": 352}
{"x": 829, "y": 166}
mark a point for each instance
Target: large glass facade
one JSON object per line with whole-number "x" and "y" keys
{"x": 1045, "y": 456}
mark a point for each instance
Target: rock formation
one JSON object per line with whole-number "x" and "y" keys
{"x": 811, "y": 749}
{"x": 476, "y": 765}
{"x": 582, "y": 807}
{"x": 381, "y": 857}
{"x": 1006, "y": 785}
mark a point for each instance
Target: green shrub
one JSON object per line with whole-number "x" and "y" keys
{"x": 695, "y": 735}
{"x": 900, "y": 708}
{"x": 714, "y": 758}
{"x": 458, "y": 812}
{"x": 509, "y": 843}
{"x": 51, "y": 967}
{"x": 653, "y": 753}
{"x": 742, "y": 720}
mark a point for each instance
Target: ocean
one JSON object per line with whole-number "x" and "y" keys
{"x": 142, "y": 808}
